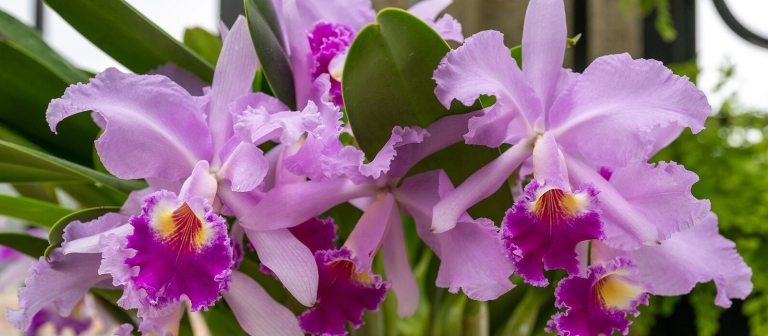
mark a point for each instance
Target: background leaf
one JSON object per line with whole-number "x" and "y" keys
{"x": 55, "y": 235}
{"x": 129, "y": 37}
{"x": 388, "y": 82}
{"x": 19, "y": 164}
{"x": 24, "y": 243}
{"x": 267, "y": 39}
{"x": 32, "y": 211}
{"x": 205, "y": 44}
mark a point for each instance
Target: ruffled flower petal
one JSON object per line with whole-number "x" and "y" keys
{"x": 622, "y": 110}
{"x": 484, "y": 66}
{"x": 697, "y": 255}
{"x": 600, "y": 303}
{"x": 546, "y": 225}
{"x": 155, "y": 129}
{"x": 345, "y": 292}
{"x": 182, "y": 250}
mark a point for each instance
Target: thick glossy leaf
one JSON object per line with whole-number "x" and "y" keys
{"x": 23, "y": 104}
{"x": 55, "y": 235}
{"x": 205, "y": 44}
{"x": 388, "y": 82}
{"x": 15, "y": 32}
{"x": 24, "y": 243}
{"x": 266, "y": 34}
{"x": 388, "y": 78}
{"x": 129, "y": 37}
{"x": 35, "y": 212}
{"x": 19, "y": 164}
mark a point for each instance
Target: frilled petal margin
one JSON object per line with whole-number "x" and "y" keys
{"x": 622, "y": 110}
{"x": 345, "y": 292}
{"x": 155, "y": 128}
{"x": 600, "y": 303}
{"x": 696, "y": 255}
{"x": 182, "y": 250}
{"x": 62, "y": 280}
{"x": 545, "y": 226}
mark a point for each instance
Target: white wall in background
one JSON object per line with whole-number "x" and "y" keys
{"x": 717, "y": 44}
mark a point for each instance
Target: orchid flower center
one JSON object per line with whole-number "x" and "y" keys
{"x": 346, "y": 268}
{"x": 555, "y": 206}
{"x": 180, "y": 228}
{"x": 614, "y": 292}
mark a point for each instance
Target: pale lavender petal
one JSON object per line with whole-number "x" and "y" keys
{"x": 125, "y": 329}
{"x": 442, "y": 133}
{"x": 256, "y": 311}
{"x": 544, "y": 36}
{"x": 154, "y": 127}
{"x": 429, "y": 9}
{"x": 369, "y": 231}
{"x": 622, "y": 110}
{"x": 397, "y": 268}
{"x": 193, "y": 84}
{"x": 199, "y": 184}
{"x": 400, "y": 137}
{"x": 625, "y": 225}
{"x": 697, "y": 255}
{"x": 549, "y": 163}
{"x": 472, "y": 254}
{"x": 305, "y": 199}
{"x": 61, "y": 282}
{"x": 245, "y": 167}
{"x": 449, "y": 28}
{"x": 290, "y": 260}
{"x": 477, "y": 187}
{"x": 484, "y": 66}
{"x": 258, "y": 125}
{"x": 662, "y": 193}
{"x": 232, "y": 79}
{"x": 166, "y": 322}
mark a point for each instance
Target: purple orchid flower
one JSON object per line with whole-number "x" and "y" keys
{"x": 154, "y": 129}
{"x": 617, "y": 113}
{"x": 317, "y": 35}
{"x": 338, "y": 174}
{"x": 599, "y": 303}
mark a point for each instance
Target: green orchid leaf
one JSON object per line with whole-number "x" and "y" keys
{"x": 55, "y": 235}
{"x": 19, "y": 164}
{"x": 23, "y": 37}
{"x": 128, "y": 36}
{"x": 32, "y": 211}
{"x": 267, "y": 39}
{"x": 24, "y": 243}
{"x": 23, "y": 106}
{"x": 205, "y": 44}
{"x": 388, "y": 82}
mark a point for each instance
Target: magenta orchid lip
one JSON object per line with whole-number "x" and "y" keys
{"x": 246, "y": 200}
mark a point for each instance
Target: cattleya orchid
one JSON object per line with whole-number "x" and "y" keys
{"x": 593, "y": 131}
{"x": 230, "y": 170}
{"x": 318, "y": 34}
{"x": 339, "y": 174}
{"x": 174, "y": 247}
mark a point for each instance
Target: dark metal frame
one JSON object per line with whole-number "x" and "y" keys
{"x": 737, "y": 27}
